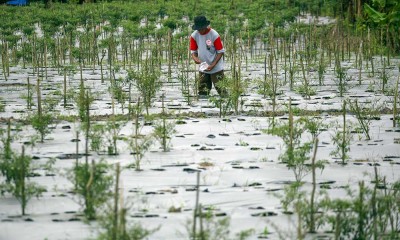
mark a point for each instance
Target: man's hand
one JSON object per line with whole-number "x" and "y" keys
{"x": 195, "y": 58}
{"x": 210, "y": 67}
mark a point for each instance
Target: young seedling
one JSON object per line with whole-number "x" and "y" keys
{"x": 112, "y": 129}
{"x": 113, "y": 221}
{"x": 138, "y": 143}
{"x": 297, "y": 152}
{"x": 365, "y": 113}
{"x": 44, "y": 117}
{"x": 342, "y": 79}
{"x": 147, "y": 82}
{"x": 163, "y": 130}
{"x": 270, "y": 87}
{"x": 342, "y": 139}
{"x": 16, "y": 169}
{"x": 93, "y": 184}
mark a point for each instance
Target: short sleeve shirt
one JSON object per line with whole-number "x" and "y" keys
{"x": 207, "y": 46}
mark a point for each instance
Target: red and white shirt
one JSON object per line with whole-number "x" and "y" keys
{"x": 207, "y": 46}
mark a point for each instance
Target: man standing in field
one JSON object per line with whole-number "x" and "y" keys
{"x": 207, "y": 50}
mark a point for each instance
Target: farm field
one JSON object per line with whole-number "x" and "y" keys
{"x": 115, "y": 141}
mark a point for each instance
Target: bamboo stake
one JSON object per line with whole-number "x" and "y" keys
{"x": 196, "y": 208}
{"x": 396, "y": 96}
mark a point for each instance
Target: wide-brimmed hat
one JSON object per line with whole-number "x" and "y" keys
{"x": 200, "y": 22}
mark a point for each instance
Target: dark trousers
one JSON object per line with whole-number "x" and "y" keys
{"x": 206, "y": 81}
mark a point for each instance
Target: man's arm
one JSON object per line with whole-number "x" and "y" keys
{"x": 216, "y": 60}
{"x": 195, "y": 58}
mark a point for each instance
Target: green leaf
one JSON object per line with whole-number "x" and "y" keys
{"x": 374, "y": 15}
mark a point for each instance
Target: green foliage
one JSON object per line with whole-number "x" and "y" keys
{"x": 365, "y": 114}
{"x": 306, "y": 91}
{"x": 6, "y": 153}
{"x": 163, "y": 131}
{"x": 16, "y": 168}
{"x": 112, "y": 129}
{"x": 83, "y": 99}
{"x": 28, "y": 97}
{"x": 41, "y": 123}
{"x": 230, "y": 90}
{"x": 96, "y": 136}
{"x": 133, "y": 231}
{"x": 45, "y": 114}
{"x": 93, "y": 184}
{"x": 368, "y": 212}
{"x": 342, "y": 79}
{"x": 138, "y": 143}
{"x": 117, "y": 91}
{"x": 213, "y": 227}
{"x": 297, "y": 151}
{"x": 146, "y": 81}
{"x": 18, "y": 171}
{"x": 342, "y": 146}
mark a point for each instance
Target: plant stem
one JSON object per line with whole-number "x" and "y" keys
{"x": 314, "y": 185}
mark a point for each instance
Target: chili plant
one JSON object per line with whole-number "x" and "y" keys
{"x": 2, "y": 105}
{"x": 147, "y": 82}
{"x": 368, "y": 213}
{"x": 230, "y": 91}
{"x": 365, "y": 113}
{"x": 16, "y": 169}
{"x": 164, "y": 129}
{"x": 342, "y": 138}
{"x": 342, "y": 79}
{"x": 297, "y": 152}
{"x": 294, "y": 200}
{"x": 93, "y": 186}
{"x": 44, "y": 116}
{"x": 118, "y": 93}
{"x": 270, "y": 86}
{"x": 113, "y": 222}
{"x": 138, "y": 143}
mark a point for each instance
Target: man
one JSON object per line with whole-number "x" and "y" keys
{"x": 206, "y": 47}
